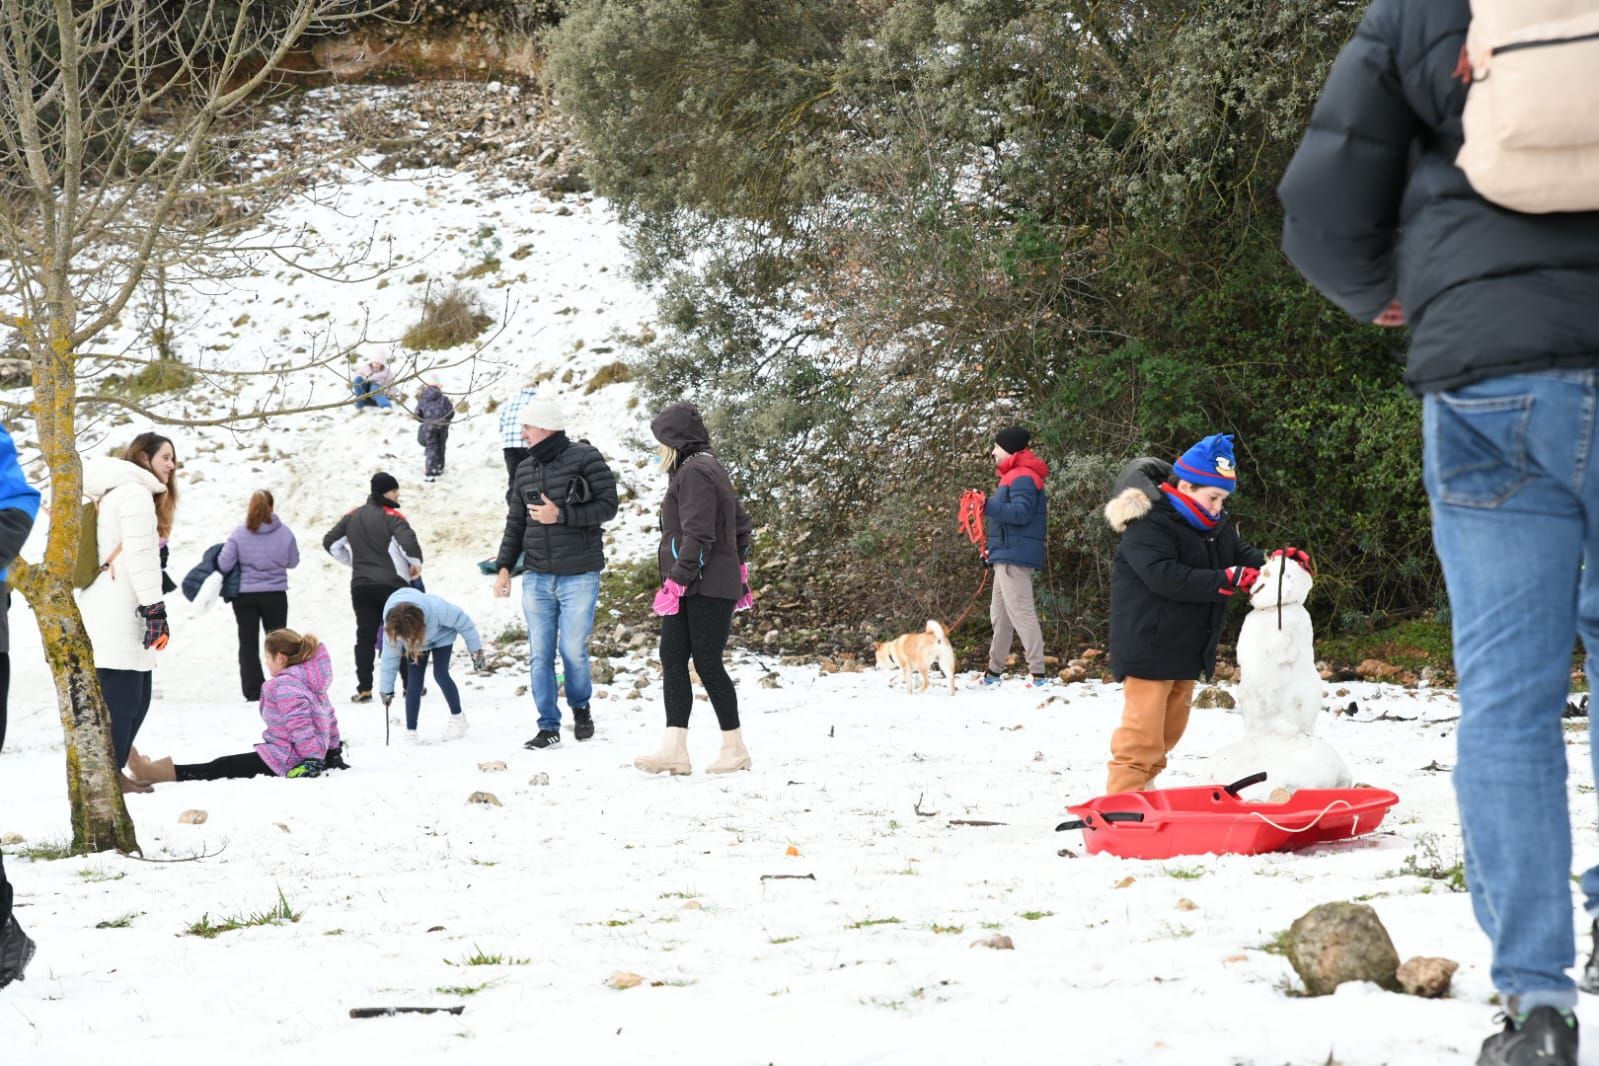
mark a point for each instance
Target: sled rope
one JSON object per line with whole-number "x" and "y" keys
{"x": 970, "y": 523}
{"x": 1313, "y": 822}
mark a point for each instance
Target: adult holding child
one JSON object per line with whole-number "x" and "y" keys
{"x": 136, "y": 498}
{"x": 705, "y": 540}
{"x": 264, "y": 550}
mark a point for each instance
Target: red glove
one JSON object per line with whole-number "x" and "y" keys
{"x": 1298, "y": 555}
{"x": 1238, "y": 577}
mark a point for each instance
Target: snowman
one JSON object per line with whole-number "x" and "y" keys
{"x": 1280, "y": 690}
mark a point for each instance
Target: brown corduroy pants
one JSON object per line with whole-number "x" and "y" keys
{"x": 1154, "y": 716}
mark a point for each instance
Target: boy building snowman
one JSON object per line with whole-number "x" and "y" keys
{"x": 1179, "y": 564}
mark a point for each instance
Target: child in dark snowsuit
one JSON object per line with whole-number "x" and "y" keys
{"x": 1179, "y": 563}
{"x": 434, "y": 410}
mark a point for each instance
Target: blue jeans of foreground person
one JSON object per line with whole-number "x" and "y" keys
{"x": 560, "y": 615}
{"x": 1512, "y": 471}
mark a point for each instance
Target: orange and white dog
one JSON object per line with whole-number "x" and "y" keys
{"x": 917, "y": 652}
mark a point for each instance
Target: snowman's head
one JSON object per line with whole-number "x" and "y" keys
{"x": 1293, "y": 579}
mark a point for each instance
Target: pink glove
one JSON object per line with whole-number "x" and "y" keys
{"x": 666, "y": 600}
{"x": 746, "y": 601}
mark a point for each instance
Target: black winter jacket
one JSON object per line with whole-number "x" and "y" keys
{"x": 705, "y": 534}
{"x": 1166, "y": 607}
{"x": 370, "y": 533}
{"x": 574, "y": 475}
{"x": 1376, "y": 209}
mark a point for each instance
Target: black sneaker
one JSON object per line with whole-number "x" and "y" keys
{"x": 582, "y": 723}
{"x": 1589, "y": 981}
{"x": 16, "y": 951}
{"x": 1543, "y": 1036}
{"x": 364, "y": 696}
{"x": 547, "y": 738}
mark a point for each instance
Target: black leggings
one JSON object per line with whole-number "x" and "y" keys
{"x": 249, "y": 764}
{"x": 257, "y": 613}
{"x": 697, "y": 631}
{"x": 127, "y": 697}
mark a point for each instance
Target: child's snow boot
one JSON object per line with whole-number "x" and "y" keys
{"x": 673, "y": 756}
{"x": 733, "y": 756}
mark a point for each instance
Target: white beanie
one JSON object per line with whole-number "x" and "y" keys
{"x": 543, "y": 414}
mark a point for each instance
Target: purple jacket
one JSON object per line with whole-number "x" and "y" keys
{"x": 264, "y": 558}
{"x": 299, "y": 718}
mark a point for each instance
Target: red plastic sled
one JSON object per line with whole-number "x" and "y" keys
{"x": 1211, "y": 820}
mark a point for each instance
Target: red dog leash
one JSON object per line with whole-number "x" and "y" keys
{"x": 970, "y": 522}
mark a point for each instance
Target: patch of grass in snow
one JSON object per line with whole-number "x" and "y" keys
{"x": 334, "y": 932}
{"x": 909, "y": 871}
{"x": 879, "y": 1001}
{"x": 612, "y": 923}
{"x": 118, "y": 923}
{"x": 277, "y": 914}
{"x": 481, "y": 958}
{"x": 155, "y": 377}
{"x": 957, "y": 929}
{"x": 1169, "y": 931}
{"x": 462, "y": 990}
{"x": 678, "y": 895}
{"x": 609, "y": 374}
{"x": 1278, "y": 945}
{"x": 865, "y": 922}
{"x": 449, "y": 319}
{"x": 1185, "y": 873}
{"x": 1428, "y": 861}
{"x": 783, "y": 939}
{"x": 1033, "y": 916}
{"x": 484, "y": 862}
{"x": 993, "y": 925}
{"x": 513, "y": 633}
{"x": 94, "y": 876}
{"x": 45, "y": 850}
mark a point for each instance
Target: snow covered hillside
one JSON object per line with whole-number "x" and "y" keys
{"x": 819, "y": 909}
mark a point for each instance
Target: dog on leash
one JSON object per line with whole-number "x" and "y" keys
{"x": 917, "y": 652}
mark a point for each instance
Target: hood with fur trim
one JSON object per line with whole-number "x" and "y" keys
{"x": 1135, "y": 492}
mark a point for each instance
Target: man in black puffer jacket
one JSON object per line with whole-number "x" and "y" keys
{"x": 1504, "y": 350}
{"x": 561, "y": 496}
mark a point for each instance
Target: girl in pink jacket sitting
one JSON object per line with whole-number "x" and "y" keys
{"x": 302, "y": 733}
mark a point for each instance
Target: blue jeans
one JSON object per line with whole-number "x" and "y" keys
{"x": 560, "y": 613}
{"x": 1514, "y": 486}
{"x": 417, "y": 680}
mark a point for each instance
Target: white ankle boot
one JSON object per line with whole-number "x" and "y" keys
{"x": 733, "y": 755}
{"x": 671, "y": 759}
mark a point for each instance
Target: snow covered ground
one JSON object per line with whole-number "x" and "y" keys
{"x": 399, "y": 884}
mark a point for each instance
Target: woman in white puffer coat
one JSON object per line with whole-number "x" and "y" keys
{"x": 123, "y": 610}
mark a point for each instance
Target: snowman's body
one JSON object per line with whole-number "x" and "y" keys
{"x": 1280, "y": 690}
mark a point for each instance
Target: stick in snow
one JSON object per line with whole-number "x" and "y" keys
{"x": 788, "y": 877}
{"x": 971, "y": 821}
{"x": 389, "y": 1012}
{"x": 917, "y": 807}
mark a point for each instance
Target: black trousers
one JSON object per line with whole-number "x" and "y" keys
{"x": 697, "y": 631}
{"x": 5, "y": 692}
{"x": 127, "y": 697}
{"x": 257, "y": 613}
{"x": 368, "y": 601}
{"x": 433, "y": 444}
{"x": 248, "y": 764}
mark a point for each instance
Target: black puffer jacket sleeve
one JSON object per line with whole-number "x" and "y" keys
{"x": 602, "y": 503}
{"x": 1154, "y": 559}
{"x": 1341, "y": 194}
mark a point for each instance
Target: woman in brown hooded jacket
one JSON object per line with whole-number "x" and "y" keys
{"x": 705, "y": 538}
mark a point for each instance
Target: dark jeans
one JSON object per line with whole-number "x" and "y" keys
{"x": 5, "y": 692}
{"x": 257, "y": 613}
{"x": 368, "y": 601}
{"x": 417, "y": 679}
{"x": 249, "y": 764}
{"x": 127, "y": 697}
{"x": 697, "y": 631}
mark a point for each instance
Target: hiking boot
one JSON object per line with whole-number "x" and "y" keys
{"x": 363, "y": 696}
{"x": 1543, "y": 1036}
{"x": 582, "y": 723}
{"x": 547, "y": 738}
{"x": 16, "y": 951}
{"x": 1589, "y": 981}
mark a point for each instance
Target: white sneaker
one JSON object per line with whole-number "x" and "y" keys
{"x": 456, "y": 728}
{"x": 411, "y": 738}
